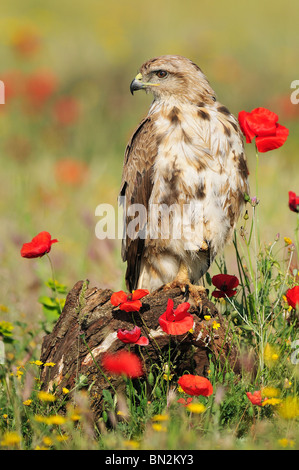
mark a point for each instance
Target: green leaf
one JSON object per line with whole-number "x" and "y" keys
{"x": 51, "y": 314}
{"x": 56, "y": 286}
{"x": 82, "y": 381}
{"x": 246, "y": 327}
{"x": 6, "y": 328}
{"x": 208, "y": 278}
{"x": 105, "y": 416}
{"x": 108, "y": 398}
{"x": 47, "y": 301}
{"x": 151, "y": 378}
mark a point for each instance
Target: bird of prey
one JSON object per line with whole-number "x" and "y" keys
{"x": 187, "y": 153}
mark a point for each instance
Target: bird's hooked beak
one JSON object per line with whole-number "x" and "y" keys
{"x": 138, "y": 84}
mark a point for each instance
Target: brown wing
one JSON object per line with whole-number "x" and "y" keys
{"x": 136, "y": 186}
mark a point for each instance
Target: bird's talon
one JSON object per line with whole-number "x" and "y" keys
{"x": 176, "y": 284}
{"x": 186, "y": 292}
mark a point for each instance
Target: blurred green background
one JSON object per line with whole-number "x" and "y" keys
{"x": 67, "y": 67}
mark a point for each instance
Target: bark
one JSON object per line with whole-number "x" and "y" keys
{"x": 88, "y": 326}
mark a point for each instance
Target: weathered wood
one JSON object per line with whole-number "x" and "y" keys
{"x": 89, "y": 318}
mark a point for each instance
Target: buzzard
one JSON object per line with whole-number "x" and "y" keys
{"x": 184, "y": 174}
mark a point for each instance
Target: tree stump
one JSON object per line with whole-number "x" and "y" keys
{"x": 87, "y": 329}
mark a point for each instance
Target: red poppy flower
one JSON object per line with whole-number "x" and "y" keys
{"x": 196, "y": 385}
{"x": 185, "y": 402}
{"x": 293, "y": 201}
{"x": 66, "y": 110}
{"x": 255, "y": 397}
{"x": 226, "y": 284}
{"x": 178, "y": 321}
{"x": 71, "y": 171}
{"x": 128, "y": 302}
{"x": 263, "y": 125}
{"x": 40, "y": 86}
{"x": 132, "y": 337}
{"x": 39, "y": 246}
{"x": 292, "y": 296}
{"x": 123, "y": 363}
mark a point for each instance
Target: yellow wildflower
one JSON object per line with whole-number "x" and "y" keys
{"x": 49, "y": 364}
{"x": 215, "y": 325}
{"x": 286, "y": 442}
{"x": 289, "y": 408}
{"x": 65, "y": 390}
{"x": 40, "y": 418}
{"x": 3, "y": 308}
{"x": 5, "y": 416}
{"x": 46, "y": 396}
{"x": 160, "y": 418}
{"x": 47, "y": 441}
{"x": 270, "y": 392}
{"x": 17, "y": 374}
{"x": 37, "y": 363}
{"x": 75, "y": 417}
{"x": 166, "y": 377}
{"x": 27, "y": 402}
{"x": 62, "y": 438}
{"x": 207, "y": 317}
{"x": 196, "y": 407}
{"x": 270, "y": 355}
{"x": 158, "y": 427}
{"x": 10, "y": 439}
{"x": 56, "y": 419}
{"x": 283, "y": 442}
{"x": 287, "y": 240}
{"x": 271, "y": 401}
{"x": 132, "y": 444}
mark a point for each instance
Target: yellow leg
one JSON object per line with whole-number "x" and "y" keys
{"x": 183, "y": 282}
{"x": 181, "y": 279}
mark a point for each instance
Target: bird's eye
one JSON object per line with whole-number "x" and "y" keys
{"x": 161, "y": 73}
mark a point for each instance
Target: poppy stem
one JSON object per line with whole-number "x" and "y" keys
{"x": 256, "y": 190}
{"x": 256, "y": 171}
{"x": 168, "y": 368}
{"x": 54, "y": 280}
{"x": 297, "y": 235}
{"x": 149, "y": 334}
{"x": 132, "y": 396}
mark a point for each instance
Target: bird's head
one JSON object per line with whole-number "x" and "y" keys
{"x": 172, "y": 75}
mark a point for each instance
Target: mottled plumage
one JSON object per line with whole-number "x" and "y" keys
{"x": 188, "y": 151}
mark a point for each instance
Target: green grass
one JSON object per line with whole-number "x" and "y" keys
{"x": 94, "y": 50}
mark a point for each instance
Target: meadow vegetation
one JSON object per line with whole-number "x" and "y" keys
{"x": 64, "y": 126}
